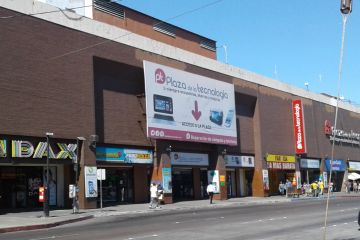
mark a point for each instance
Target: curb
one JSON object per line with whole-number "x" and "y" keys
{"x": 45, "y": 225}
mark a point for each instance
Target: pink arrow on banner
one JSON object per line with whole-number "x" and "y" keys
{"x": 196, "y": 113}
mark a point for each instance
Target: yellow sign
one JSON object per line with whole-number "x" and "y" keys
{"x": 280, "y": 158}
{"x": 222, "y": 178}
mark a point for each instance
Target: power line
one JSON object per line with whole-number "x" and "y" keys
{"x": 41, "y": 13}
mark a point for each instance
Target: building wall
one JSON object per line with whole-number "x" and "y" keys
{"x": 101, "y": 91}
{"x": 141, "y": 24}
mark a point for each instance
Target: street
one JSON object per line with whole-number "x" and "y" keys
{"x": 292, "y": 220}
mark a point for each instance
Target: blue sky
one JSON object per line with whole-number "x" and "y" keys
{"x": 291, "y": 41}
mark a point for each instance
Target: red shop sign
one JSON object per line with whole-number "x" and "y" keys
{"x": 299, "y": 134}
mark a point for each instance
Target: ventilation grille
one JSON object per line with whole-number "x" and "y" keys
{"x": 165, "y": 28}
{"x": 110, "y": 8}
{"x": 208, "y": 44}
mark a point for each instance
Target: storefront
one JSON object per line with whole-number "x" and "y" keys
{"x": 281, "y": 168}
{"x": 338, "y": 170}
{"x": 310, "y": 170}
{"x": 239, "y": 175}
{"x": 127, "y": 174}
{"x": 23, "y": 170}
{"x": 189, "y": 175}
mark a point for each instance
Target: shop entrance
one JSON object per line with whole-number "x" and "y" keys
{"x": 277, "y": 176}
{"x": 19, "y": 187}
{"x": 203, "y": 184}
{"x": 310, "y": 175}
{"x": 118, "y": 186}
{"x": 183, "y": 185}
{"x": 231, "y": 183}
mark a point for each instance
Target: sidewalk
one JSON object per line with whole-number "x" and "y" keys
{"x": 22, "y": 221}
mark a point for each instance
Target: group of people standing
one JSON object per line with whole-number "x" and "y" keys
{"x": 352, "y": 186}
{"x": 156, "y": 195}
{"x": 314, "y": 189}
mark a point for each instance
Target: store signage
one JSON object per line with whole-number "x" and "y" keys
{"x": 239, "y": 161}
{"x": 3, "y": 148}
{"x": 339, "y": 135}
{"x": 166, "y": 180}
{"x": 26, "y": 149}
{"x": 337, "y": 165}
{"x": 280, "y": 158}
{"x": 265, "y": 174}
{"x": 299, "y": 132}
{"x": 213, "y": 178}
{"x": 187, "y": 107}
{"x": 309, "y": 163}
{"x": 124, "y": 155}
{"x": 354, "y": 166}
{"x": 91, "y": 188}
{"x": 191, "y": 159}
{"x": 101, "y": 174}
{"x": 281, "y": 165}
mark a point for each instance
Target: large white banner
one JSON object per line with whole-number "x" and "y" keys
{"x": 91, "y": 182}
{"x": 188, "y": 107}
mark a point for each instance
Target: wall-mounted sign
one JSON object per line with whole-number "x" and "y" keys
{"x": 309, "y": 163}
{"x": 213, "y": 178}
{"x": 299, "y": 133}
{"x": 2, "y": 148}
{"x": 26, "y": 149}
{"x": 339, "y": 135}
{"x": 187, "y": 107}
{"x": 265, "y": 174}
{"x": 124, "y": 155}
{"x": 239, "y": 161}
{"x": 280, "y": 158}
{"x": 91, "y": 189}
{"x": 191, "y": 159}
{"x": 166, "y": 180}
{"x": 354, "y": 166}
{"x": 281, "y": 165}
{"x": 337, "y": 165}
{"x": 298, "y": 180}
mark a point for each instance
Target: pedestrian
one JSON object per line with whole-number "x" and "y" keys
{"x": 321, "y": 187}
{"x": 210, "y": 191}
{"x": 288, "y": 187}
{"x": 281, "y": 188}
{"x": 160, "y": 195}
{"x": 355, "y": 187}
{"x": 314, "y": 188}
{"x": 153, "y": 196}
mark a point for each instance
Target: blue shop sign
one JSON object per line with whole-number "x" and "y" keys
{"x": 124, "y": 155}
{"x": 337, "y": 165}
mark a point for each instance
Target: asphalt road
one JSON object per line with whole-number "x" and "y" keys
{"x": 295, "y": 220}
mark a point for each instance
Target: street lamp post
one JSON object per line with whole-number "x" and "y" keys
{"x": 46, "y": 195}
{"x": 76, "y": 169}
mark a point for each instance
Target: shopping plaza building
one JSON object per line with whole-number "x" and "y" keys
{"x": 148, "y": 102}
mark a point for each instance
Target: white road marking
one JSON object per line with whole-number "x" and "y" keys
{"x": 56, "y": 236}
{"x": 221, "y": 217}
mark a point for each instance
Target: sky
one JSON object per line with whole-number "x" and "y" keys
{"x": 295, "y": 42}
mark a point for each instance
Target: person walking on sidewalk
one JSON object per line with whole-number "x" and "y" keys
{"x": 288, "y": 187}
{"x": 321, "y": 186}
{"x": 210, "y": 191}
{"x": 153, "y": 196}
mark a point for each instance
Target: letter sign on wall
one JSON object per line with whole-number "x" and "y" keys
{"x": 299, "y": 134}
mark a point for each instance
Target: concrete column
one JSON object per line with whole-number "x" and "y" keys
{"x": 260, "y": 164}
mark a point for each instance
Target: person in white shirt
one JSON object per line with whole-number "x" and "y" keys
{"x": 153, "y": 196}
{"x": 210, "y": 190}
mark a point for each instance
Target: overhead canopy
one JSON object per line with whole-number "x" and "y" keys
{"x": 354, "y": 176}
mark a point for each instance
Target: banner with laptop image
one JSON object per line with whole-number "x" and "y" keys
{"x": 188, "y": 107}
